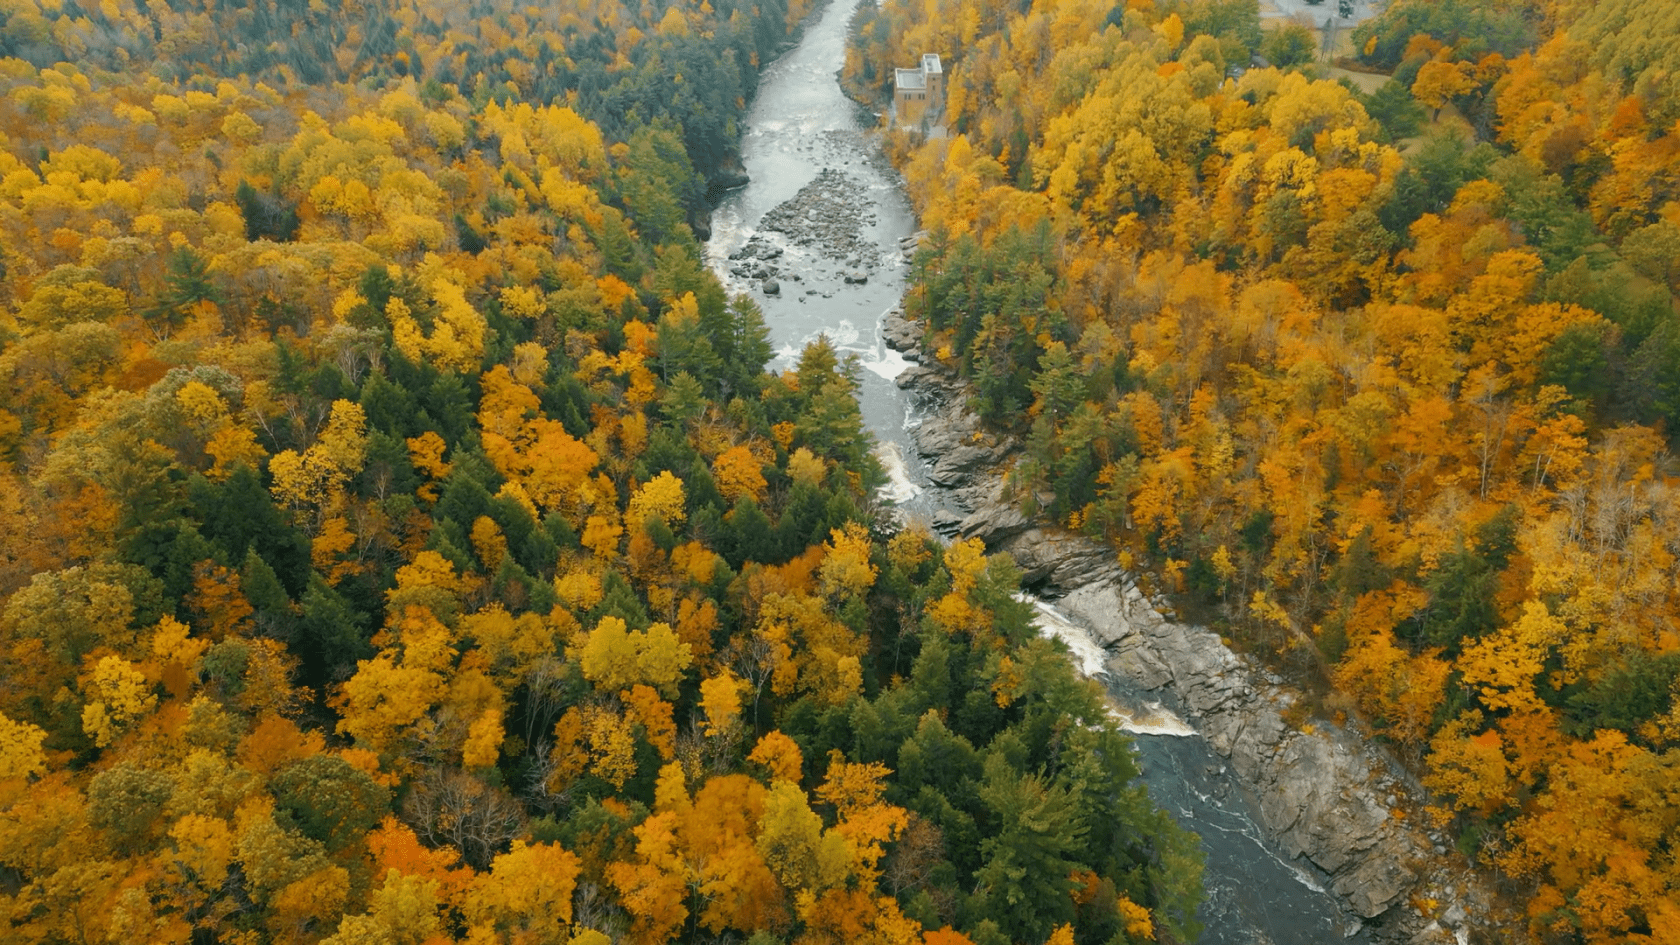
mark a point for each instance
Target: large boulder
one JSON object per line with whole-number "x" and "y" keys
{"x": 1055, "y": 558}
{"x": 901, "y": 333}
{"x": 953, "y": 466}
{"x": 994, "y": 522}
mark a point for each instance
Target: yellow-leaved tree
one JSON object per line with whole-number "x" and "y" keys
{"x": 456, "y": 340}
{"x": 659, "y": 498}
{"x": 314, "y": 481}
{"x": 614, "y": 657}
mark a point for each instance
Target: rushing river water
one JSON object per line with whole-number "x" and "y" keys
{"x": 800, "y": 126}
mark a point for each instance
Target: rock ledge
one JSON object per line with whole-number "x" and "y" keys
{"x": 1318, "y": 793}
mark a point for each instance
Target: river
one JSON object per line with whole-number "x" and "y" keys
{"x": 803, "y": 144}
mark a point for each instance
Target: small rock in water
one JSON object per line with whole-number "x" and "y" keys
{"x": 772, "y": 287}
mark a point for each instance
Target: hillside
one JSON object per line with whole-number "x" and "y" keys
{"x": 404, "y": 543}
{"x": 1399, "y": 421}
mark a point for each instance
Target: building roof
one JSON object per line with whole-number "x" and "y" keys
{"x": 909, "y": 79}
{"x": 930, "y": 64}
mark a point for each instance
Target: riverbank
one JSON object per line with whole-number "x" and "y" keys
{"x": 1333, "y": 801}
{"x": 783, "y": 232}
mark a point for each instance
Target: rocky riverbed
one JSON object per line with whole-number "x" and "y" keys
{"x": 1343, "y": 810}
{"x": 824, "y": 220}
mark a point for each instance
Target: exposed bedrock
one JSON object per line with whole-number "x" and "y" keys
{"x": 1321, "y": 794}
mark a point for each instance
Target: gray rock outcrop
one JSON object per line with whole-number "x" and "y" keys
{"x": 902, "y": 335}
{"x": 1312, "y": 788}
{"x": 955, "y": 441}
{"x": 910, "y": 244}
{"x": 1045, "y": 556}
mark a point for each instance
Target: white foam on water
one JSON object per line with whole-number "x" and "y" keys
{"x": 841, "y": 336}
{"x": 729, "y": 233}
{"x": 1089, "y": 656}
{"x": 889, "y": 364}
{"x": 1152, "y": 718}
{"x": 915, "y": 414}
{"x": 1301, "y": 875}
{"x": 899, "y": 488}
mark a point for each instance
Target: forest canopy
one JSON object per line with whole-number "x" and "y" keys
{"x": 1382, "y": 383}
{"x": 405, "y": 543}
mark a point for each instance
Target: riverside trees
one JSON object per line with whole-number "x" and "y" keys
{"x": 1402, "y": 417}
{"x": 404, "y": 542}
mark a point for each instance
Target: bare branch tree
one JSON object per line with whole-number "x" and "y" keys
{"x": 449, "y": 807}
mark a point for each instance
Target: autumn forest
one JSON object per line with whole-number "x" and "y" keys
{"x": 1382, "y": 379}
{"x": 402, "y": 541}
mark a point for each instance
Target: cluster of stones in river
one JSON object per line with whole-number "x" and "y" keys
{"x": 756, "y": 261}
{"x": 825, "y": 219}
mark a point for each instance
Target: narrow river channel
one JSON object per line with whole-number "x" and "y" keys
{"x": 824, "y": 204}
